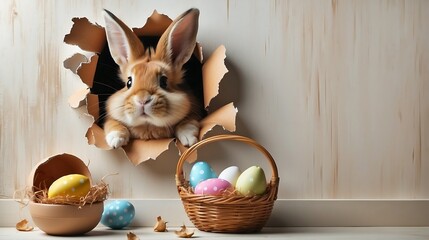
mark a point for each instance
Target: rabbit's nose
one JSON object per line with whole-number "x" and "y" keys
{"x": 146, "y": 100}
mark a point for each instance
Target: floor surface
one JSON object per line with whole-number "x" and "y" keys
{"x": 307, "y": 233}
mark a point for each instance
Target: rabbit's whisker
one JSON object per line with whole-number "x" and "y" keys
{"x": 107, "y": 85}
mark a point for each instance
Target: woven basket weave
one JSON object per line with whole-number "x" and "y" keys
{"x": 228, "y": 213}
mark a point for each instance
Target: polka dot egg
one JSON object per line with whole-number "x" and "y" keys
{"x": 201, "y": 171}
{"x": 70, "y": 185}
{"x": 118, "y": 214}
{"x": 213, "y": 186}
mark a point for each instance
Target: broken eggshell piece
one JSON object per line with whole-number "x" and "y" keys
{"x": 160, "y": 225}
{"x": 184, "y": 232}
{"x": 52, "y": 168}
{"x": 91, "y": 37}
{"x": 23, "y": 226}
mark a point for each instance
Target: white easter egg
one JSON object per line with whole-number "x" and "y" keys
{"x": 230, "y": 174}
{"x": 252, "y": 182}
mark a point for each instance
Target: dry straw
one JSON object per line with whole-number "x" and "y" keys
{"x": 97, "y": 193}
{"x": 229, "y": 212}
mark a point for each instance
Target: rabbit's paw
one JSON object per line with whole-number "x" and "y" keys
{"x": 116, "y": 139}
{"x": 188, "y": 134}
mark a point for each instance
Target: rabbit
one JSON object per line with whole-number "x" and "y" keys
{"x": 153, "y": 104}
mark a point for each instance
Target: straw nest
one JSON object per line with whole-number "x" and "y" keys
{"x": 97, "y": 193}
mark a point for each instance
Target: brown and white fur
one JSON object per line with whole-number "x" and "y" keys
{"x": 152, "y": 104}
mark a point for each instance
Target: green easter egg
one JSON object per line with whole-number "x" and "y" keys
{"x": 252, "y": 182}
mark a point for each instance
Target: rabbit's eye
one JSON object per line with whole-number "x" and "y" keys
{"x": 163, "y": 81}
{"x": 129, "y": 82}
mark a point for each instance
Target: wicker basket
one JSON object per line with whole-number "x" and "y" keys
{"x": 231, "y": 213}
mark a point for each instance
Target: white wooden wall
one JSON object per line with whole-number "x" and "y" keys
{"x": 337, "y": 91}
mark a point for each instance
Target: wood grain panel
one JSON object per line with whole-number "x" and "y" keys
{"x": 338, "y": 91}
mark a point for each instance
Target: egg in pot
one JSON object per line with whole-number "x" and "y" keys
{"x": 70, "y": 185}
{"x": 59, "y": 219}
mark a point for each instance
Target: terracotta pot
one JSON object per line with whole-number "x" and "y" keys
{"x": 57, "y": 219}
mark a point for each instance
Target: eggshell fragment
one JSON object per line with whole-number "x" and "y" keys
{"x": 160, "y": 226}
{"x": 230, "y": 174}
{"x": 184, "y": 232}
{"x": 252, "y": 182}
{"x": 213, "y": 186}
{"x": 132, "y": 236}
{"x": 23, "y": 226}
{"x": 50, "y": 169}
{"x": 201, "y": 171}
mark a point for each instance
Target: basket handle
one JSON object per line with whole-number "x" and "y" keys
{"x": 193, "y": 148}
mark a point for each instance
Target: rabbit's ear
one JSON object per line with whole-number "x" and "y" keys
{"x": 177, "y": 43}
{"x": 124, "y": 45}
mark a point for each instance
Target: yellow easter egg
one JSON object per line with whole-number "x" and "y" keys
{"x": 70, "y": 185}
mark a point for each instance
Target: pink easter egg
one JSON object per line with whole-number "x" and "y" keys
{"x": 212, "y": 186}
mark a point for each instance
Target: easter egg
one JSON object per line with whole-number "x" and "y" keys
{"x": 118, "y": 214}
{"x": 251, "y": 182}
{"x": 213, "y": 186}
{"x": 70, "y": 185}
{"x": 230, "y": 174}
{"x": 199, "y": 172}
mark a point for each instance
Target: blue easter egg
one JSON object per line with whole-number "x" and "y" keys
{"x": 199, "y": 172}
{"x": 118, "y": 214}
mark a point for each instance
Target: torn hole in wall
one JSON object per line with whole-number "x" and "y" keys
{"x": 100, "y": 74}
